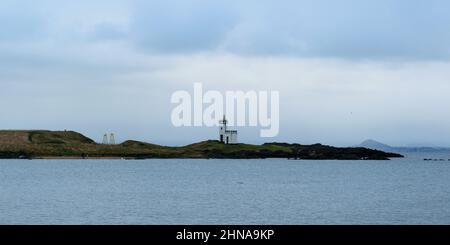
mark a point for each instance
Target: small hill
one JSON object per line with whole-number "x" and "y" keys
{"x": 215, "y": 149}
{"x": 28, "y": 143}
{"x": 58, "y": 137}
{"x": 372, "y": 144}
{"x": 20, "y": 137}
{"x": 375, "y": 145}
{"x": 138, "y": 144}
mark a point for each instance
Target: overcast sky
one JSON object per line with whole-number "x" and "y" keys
{"x": 346, "y": 70}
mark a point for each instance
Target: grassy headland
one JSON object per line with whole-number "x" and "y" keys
{"x": 69, "y": 144}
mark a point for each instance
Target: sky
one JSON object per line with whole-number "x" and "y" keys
{"x": 346, "y": 70}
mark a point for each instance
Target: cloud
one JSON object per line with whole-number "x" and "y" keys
{"x": 345, "y": 29}
{"x": 180, "y": 26}
{"x": 348, "y": 29}
{"x": 108, "y": 32}
{"x": 19, "y": 23}
{"x": 351, "y": 29}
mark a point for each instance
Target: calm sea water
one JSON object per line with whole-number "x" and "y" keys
{"x": 403, "y": 191}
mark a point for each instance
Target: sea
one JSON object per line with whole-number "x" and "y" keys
{"x": 263, "y": 191}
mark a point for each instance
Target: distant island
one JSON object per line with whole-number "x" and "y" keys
{"x": 375, "y": 145}
{"x": 42, "y": 144}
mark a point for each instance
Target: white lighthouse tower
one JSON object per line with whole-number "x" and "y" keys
{"x": 227, "y": 136}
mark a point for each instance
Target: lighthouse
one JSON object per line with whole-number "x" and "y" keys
{"x": 227, "y": 136}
